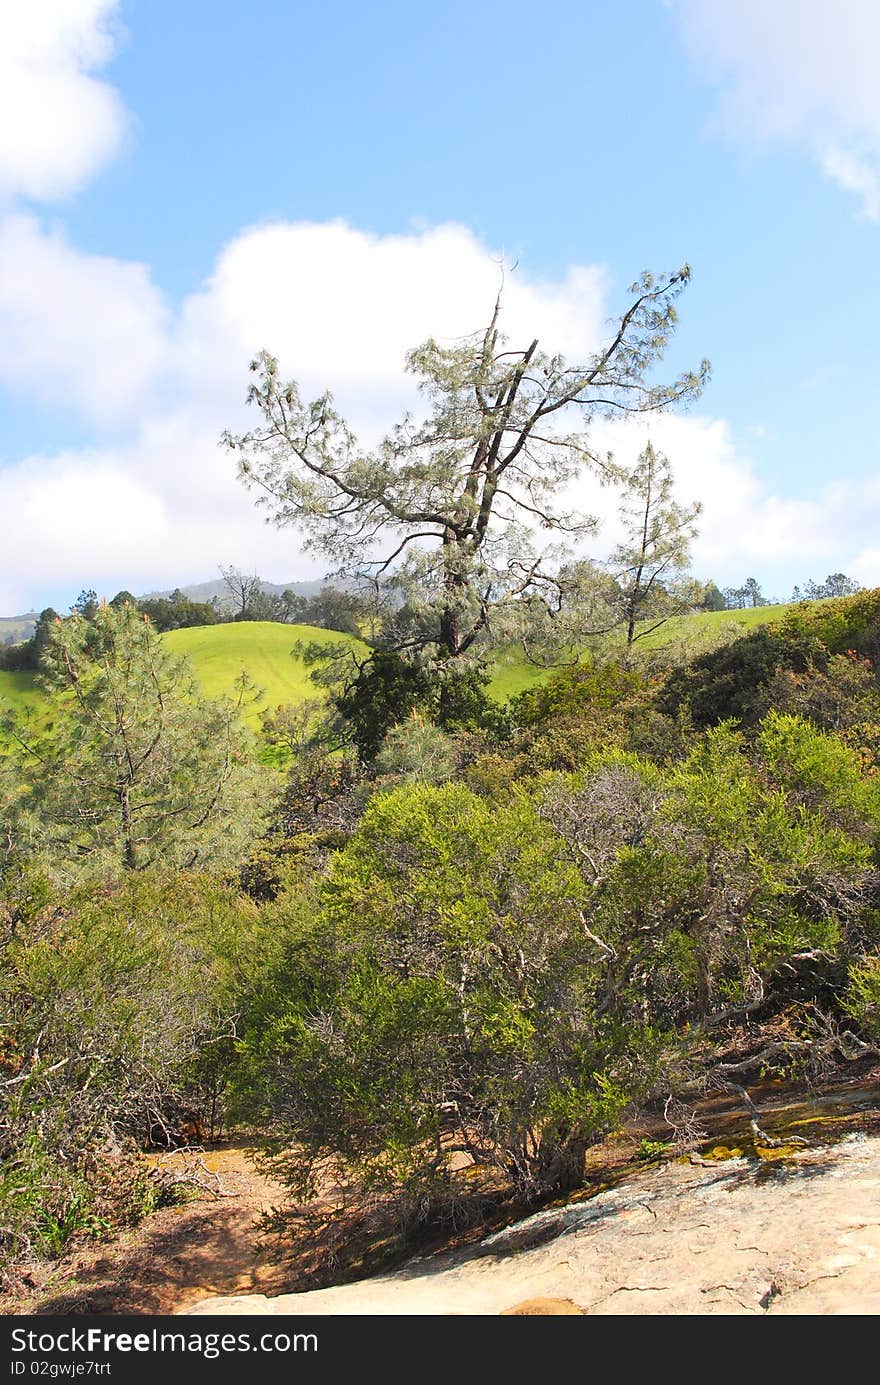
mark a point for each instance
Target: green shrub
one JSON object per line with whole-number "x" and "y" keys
{"x": 862, "y": 1001}
{"x": 440, "y": 1000}
{"x": 118, "y": 1015}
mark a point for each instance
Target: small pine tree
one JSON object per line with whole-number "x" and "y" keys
{"x": 134, "y": 767}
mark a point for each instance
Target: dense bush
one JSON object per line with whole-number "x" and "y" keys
{"x": 174, "y": 612}
{"x": 462, "y": 943}
{"x": 735, "y": 681}
{"x": 388, "y": 689}
{"x": 818, "y": 649}
{"x": 440, "y": 999}
{"x": 585, "y": 687}
{"x": 502, "y": 979}
{"x": 118, "y": 1018}
{"x": 846, "y": 623}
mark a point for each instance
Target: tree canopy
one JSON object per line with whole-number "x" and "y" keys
{"x": 450, "y": 503}
{"x": 134, "y": 768}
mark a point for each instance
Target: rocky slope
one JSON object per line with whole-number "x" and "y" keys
{"x": 792, "y": 1235}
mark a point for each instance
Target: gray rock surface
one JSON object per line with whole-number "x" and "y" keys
{"x": 799, "y": 1237}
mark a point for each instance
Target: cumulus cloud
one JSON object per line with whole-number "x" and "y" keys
{"x": 59, "y": 123}
{"x": 856, "y": 174}
{"x": 78, "y": 330}
{"x": 745, "y": 529}
{"x": 339, "y": 307}
{"x": 802, "y": 71}
{"x": 98, "y": 518}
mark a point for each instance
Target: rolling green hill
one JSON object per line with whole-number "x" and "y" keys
{"x": 263, "y": 649}
{"x": 18, "y": 691}
{"x": 512, "y": 673}
{"x": 705, "y": 628}
{"x": 219, "y": 654}
{"x": 691, "y": 635}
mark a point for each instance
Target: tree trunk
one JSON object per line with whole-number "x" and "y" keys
{"x": 561, "y": 1163}
{"x": 129, "y": 852}
{"x": 454, "y": 584}
{"x": 630, "y": 639}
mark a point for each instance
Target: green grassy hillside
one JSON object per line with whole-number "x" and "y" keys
{"x": 18, "y": 691}
{"x": 690, "y": 635}
{"x": 263, "y": 649}
{"x": 512, "y": 673}
{"x": 706, "y": 628}
{"x": 219, "y": 654}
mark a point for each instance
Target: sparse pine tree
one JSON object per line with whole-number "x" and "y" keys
{"x": 650, "y": 565}
{"x": 450, "y": 503}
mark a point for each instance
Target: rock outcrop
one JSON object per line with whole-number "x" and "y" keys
{"x": 795, "y": 1236}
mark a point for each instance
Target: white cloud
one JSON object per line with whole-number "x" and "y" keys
{"x": 855, "y": 174}
{"x": 59, "y": 124}
{"x": 865, "y": 567}
{"x": 98, "y": 518}
{"x": 802, "y": 71}
{"x": 78, "y": 330}
{"x": 339, "y": 307}
{"x": 745, "y": 529}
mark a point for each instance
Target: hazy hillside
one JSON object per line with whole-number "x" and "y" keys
{"x": 207, "y": 591}
{"x": 16, "y": 628}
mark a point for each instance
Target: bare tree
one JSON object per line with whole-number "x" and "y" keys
{"x": 242, "y": 588}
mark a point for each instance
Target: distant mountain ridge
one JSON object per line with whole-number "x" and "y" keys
{"x": 16, "y": 628}
{"x": 207, "y": 591}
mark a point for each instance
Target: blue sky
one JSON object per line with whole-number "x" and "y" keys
{"x": 183, "y": 184}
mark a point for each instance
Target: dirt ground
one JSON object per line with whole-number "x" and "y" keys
{"x": 210, "y": 1244}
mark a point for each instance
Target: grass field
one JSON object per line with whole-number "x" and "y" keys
{"x": 219, "y": 654}
{"x": 691, "y": 634}
{"x": 264, "y": 650}
{"x": 512, "y": 673}
{"x": 706, "y": 628}
{"x": 19, "y": 691}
